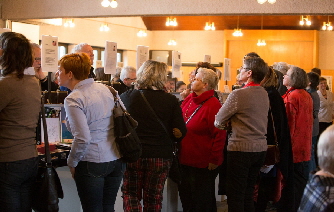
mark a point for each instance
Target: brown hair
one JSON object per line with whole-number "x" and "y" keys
{"x": 77, "y": 63}
{"x": 16, "y": 55}
{"x": 270, "y": 79}
{"x": 258, "y": 67}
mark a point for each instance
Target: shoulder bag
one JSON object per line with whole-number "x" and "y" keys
{"x": 273, "y": 153}
{"x": 47, "y": 188}
{"x": 125, "y": 126}
{"x": 175, "y": 170}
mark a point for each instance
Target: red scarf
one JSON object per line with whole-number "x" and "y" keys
{"x": 251, "y": 84}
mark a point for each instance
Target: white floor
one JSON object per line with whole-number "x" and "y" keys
{"x": 71, "y": 202}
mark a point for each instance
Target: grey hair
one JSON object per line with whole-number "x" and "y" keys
{"x": 77, "y": 48}
{"x": 35, "y": 45}
{"x": 298, "y": 78}
{"x": 209, "y": 76}
{"x": 326, "y": 150}
{"x": 126, "y": 71}
{"x": 282, "y": 67}
{"x": 152, "y": 74}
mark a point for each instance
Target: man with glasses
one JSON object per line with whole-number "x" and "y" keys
{"x": 127, "y": 79}
{"x": 38, "y": 69}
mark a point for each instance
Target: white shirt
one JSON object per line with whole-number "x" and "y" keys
{"x": 326, "y": 107}
{"x": 90, "y": 120}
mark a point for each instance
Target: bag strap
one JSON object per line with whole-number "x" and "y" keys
{"x": 116, "y": 98}
{"x": 46, "y": 137}
{"x": 153, "y": 112}
{"x": 272, "y": 118}
{"x": 197, "y": 109}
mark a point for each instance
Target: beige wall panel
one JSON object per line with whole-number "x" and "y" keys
{"x": 24, "y": 9}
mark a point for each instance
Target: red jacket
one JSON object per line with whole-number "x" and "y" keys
{"x": 203, "y": 143}
{"x": 299, "y": 110}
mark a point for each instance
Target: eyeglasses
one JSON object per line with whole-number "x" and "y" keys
{"x": 134, "y": 79}
{"x": 37, "y": 58}
{"x": 242, "y": 68}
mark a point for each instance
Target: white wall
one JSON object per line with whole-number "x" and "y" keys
{"x": 192, "y": 44}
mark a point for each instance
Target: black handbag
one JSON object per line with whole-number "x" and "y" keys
{"x": 126, "y": 137}
{"x": 175, "y": 171}
{"x": 47, "y": 188}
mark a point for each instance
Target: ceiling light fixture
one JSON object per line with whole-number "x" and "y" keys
{"x": 237, "y": 32}
{"x": 305, "y": 20}
{"x": 171, "y": 22}
{"x": 264, "y": 1}
{"x": 107, "y": 3}
{"x": 327, "y": 26}
{"x": 141, "y": 33}
{"x": 69, "y": 23}
{"x": 210, "y": 26}
{"x": 172, "y": 42}
{"x": 261, "y": 42}
{"x": 104, "y": 27}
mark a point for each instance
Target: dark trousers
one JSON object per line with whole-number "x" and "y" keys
{"x": 242, "y": 172}
{"x": 300, "y": 175}
{"x": 197, "y": 189}
{"x": 98, "y": 184}
{"x": 16, "y": 180}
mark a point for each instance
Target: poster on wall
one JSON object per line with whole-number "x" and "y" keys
{"x": 176, "y": 64}
{"x": 110, "y": 58}
{"x": 227, "y": 69}
{"x": 207, "y": 58}
{"x": 49, "y": 53}
{"x": 142, "y": 55}
{"x": 329, "y": 82}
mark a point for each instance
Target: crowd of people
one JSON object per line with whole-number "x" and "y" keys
{"x": 278, "y": 105}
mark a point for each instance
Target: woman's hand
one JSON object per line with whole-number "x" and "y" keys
{"x": 212, "y": 166}
{"x": 177, "y": 133}
{"x": 72, "y": 170}
{"x": 185, "y": 93}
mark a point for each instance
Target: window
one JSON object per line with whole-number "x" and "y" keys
{"x": 99, "y": 55}
{"x": 62, "y": 49}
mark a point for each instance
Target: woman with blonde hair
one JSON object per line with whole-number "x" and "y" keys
{"x": 94, "y": 160}
{"x": 157, "y": 129}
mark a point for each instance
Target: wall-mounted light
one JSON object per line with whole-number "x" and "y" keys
{"x": 261, "y": 42}
{"x": 171, "y": 22}
{"x": 237, "y": 32}
{"x": 69, "y": 23}
{"x": 171, "y": 42}
{"x": 209, "y": 26}
{"x": 264, "y": 1}
{"x": 107, "y": 3}
{"x": 141, "y": 33}
{"x": 327, "y": 26}
{"x": 305, "y": 20}
{"x": 104, "y": 28}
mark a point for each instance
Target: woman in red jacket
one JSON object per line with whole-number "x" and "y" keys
{"x": 299, "y": 110}
{"x": 201, "y": 151}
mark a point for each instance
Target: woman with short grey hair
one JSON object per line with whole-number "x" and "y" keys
{"x": 299, "y": 110}
{"x": 145, "y": 178}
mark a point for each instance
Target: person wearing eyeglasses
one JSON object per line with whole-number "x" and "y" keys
{"x": 36, "y": 49}
{"x": 128, "y": 77}
{"x": 246, "y": 111}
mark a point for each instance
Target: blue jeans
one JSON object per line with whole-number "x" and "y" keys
{"x": 98, "y": 184}
{"x": 16, "y": 180}
{"x": 242, "y": 171}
